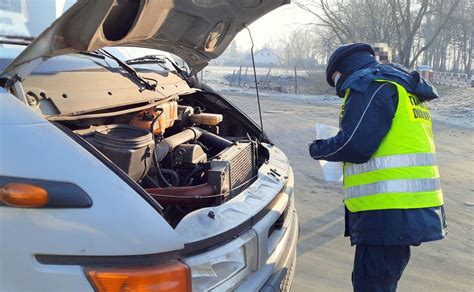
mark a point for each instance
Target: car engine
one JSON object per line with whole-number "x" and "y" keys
{"x": 177, "y": 153}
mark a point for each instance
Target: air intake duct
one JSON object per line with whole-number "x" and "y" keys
{"x": 214, "y": 142}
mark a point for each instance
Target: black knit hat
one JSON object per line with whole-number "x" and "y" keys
{"x": 340, "y": 53}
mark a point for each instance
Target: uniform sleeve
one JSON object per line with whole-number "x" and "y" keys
{"x": 367, "y": 119}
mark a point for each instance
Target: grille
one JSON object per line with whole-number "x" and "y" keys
{"x": 241, "y": 158}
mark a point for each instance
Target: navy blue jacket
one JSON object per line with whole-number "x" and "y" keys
{"x": 367, "y": 118}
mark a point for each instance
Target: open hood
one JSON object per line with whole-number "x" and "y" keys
{"x": 195, "y": 30}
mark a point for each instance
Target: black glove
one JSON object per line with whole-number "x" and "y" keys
{"x": 315, "y": 142}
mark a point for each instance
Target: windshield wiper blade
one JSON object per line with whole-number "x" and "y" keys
{"x": 141, "y": 80}
{"x": 159, "y": 59}
{"x": 92, "y": 54}
{"x": 181, "y": 72}
{"x": 148, "y": 59}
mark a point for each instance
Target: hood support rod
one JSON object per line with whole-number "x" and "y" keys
{"x": 255, "y": 79}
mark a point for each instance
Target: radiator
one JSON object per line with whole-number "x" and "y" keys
{"x": 236, "y": 167}
{"x": 242, "y": 166}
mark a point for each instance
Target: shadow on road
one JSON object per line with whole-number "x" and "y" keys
{"x": 321, "y": 230}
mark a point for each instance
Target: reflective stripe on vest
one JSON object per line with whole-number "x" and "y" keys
{"x": 403, "y": 172}
{"x": 393, "y": 161}
{"x": 394, "y": 186}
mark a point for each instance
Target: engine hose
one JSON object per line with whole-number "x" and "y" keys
{"x": 161, "y": 177}
{"x": 192, "y": 134}
{"x": 152, "y": 126}
{"x": 180, "y": 138}
{"x": 173, "y": 174}
{"x": 187, "y": 180}
{"x": 208, "y": 138}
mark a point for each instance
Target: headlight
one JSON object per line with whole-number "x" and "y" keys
{"x": 225, "y": 266}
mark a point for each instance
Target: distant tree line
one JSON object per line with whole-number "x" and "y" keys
{"x": 439, "y": 33}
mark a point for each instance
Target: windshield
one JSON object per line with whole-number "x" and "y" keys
{"x": 28, "y": 18}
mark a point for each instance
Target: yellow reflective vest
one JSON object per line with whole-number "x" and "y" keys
{"x": 403, "y": 172}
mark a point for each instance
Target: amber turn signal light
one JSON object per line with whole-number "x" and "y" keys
{"x": 23, "y": 195}
{"x": 172, "y": 276}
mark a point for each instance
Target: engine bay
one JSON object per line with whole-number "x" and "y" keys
{"x": 187, "y": 152}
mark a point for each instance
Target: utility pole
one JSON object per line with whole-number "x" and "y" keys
{"x": 245, "y": 76}
{"x": 240, "y": 74}
{"x": 266, "y": 78}
{"x": 296, "y": 82}
{"x": 232, "y": 79}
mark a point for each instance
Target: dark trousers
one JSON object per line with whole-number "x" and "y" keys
{"x": 378, "y": 268}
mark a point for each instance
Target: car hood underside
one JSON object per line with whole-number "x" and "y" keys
{"x": 197, "y": 31}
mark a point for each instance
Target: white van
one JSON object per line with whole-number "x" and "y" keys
{"x": 119, "y": 171}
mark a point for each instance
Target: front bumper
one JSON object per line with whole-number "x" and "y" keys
{"x": 262, "y": 255}
{"x": 282, "y": 278}
{"x": 278, "y": 271}
{"x": 269, "y": 249}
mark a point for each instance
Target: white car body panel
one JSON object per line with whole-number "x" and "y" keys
{"x": 266, "y": 251}
{"x": 198, "y": 225}
{"x": 119, "y": 222}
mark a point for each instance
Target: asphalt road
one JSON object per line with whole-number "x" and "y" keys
{"x": 325, "y": 257}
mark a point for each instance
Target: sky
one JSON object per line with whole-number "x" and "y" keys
{"x": 273, "y": 26}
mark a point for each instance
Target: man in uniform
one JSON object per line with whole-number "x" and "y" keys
{"x": 392, "y": 188}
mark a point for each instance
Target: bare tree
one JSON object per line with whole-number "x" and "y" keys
{"x": 396, "y": 22}
{"x": 410, "y": 19}
{"x": 452, "y": 50}
{"x": 301, "y": 47}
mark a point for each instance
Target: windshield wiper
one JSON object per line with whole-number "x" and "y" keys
{"x": 148, "y": 59}
{"x": 92, "y": 54}
{"x": 16, "y": 39}
{"x": 143, "y": 81}
{"x": 160, "y": 59}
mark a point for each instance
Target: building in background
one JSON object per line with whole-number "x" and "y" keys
{"x": 267, "y": 57}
